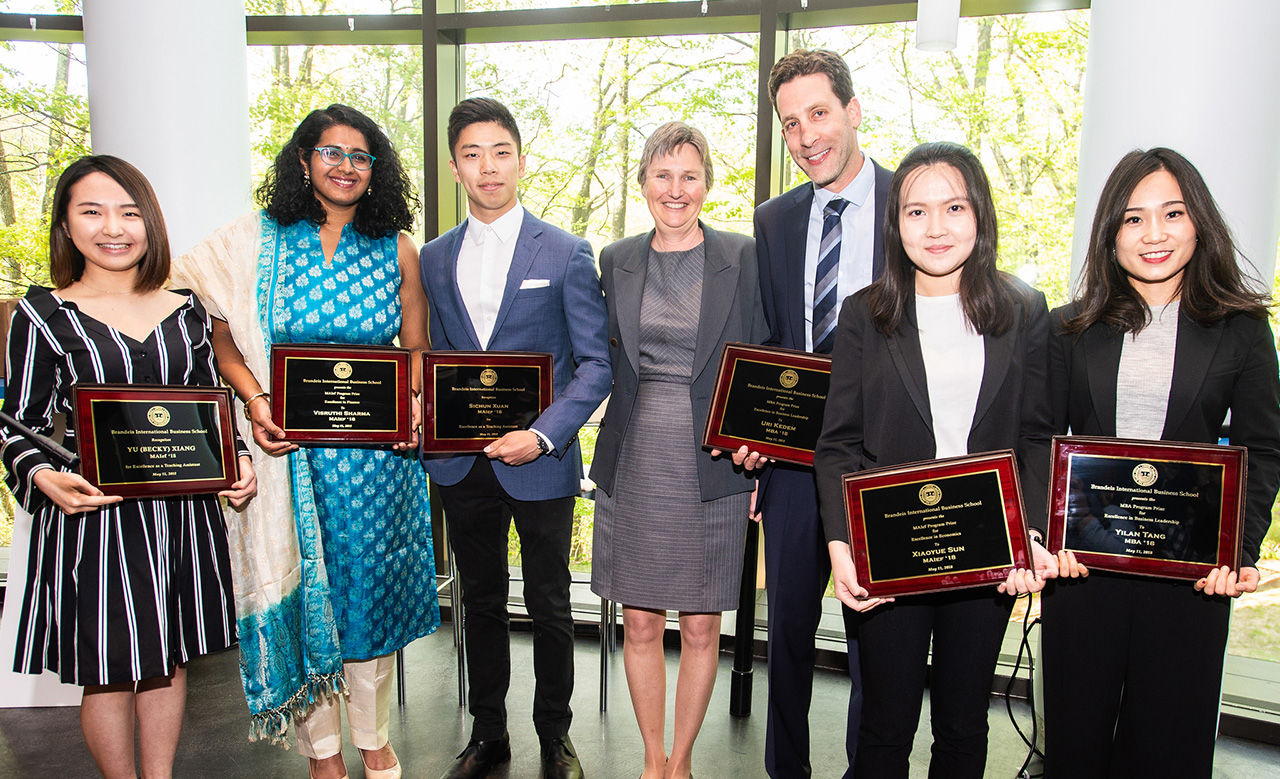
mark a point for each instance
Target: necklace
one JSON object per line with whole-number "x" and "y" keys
{"x": 89, "y": 286}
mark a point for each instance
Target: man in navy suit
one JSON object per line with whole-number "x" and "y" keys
{"x": 505, "y": 280}
{"x": 816, "y": 244}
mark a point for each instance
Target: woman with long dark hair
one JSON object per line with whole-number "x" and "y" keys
{"x": 120, "y": 594}
{"x": 943, "y": 356}
{"x": 337, "y": 574}
{"x": 1164, "y": 339}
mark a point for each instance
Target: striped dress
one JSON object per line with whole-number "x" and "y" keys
{"x": 133, "y": 589}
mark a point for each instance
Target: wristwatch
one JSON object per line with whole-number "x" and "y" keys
{"x": 542, "y": 444}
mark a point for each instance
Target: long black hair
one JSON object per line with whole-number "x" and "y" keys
{"x": 387, "y": 207}
{"x": 1212, "y": 286}
{"x": 987, "y": 296}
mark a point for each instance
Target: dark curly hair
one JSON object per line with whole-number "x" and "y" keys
{"x": 387, "y": 208}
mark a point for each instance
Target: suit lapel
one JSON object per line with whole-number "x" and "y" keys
{"x": 527, "y": 248}
{"x": 719, "y": 278}
{"x": 628, "y": 292}
{"x": 997, "y": 355}
{"x": 881, "y": 195}
{"x": 459, "y": 304}
{"x": 904, "y": 349}
{"x": 795, "y": 226}
{"x": 1102, "y": 361}
{"x": 1191, "y": 360}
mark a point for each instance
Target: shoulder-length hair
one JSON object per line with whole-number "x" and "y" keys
{"x": 66, "y": 261}
{"x": 986, "y": 295}
{"x": 1212, "y": 286}
{"x": 386, "y": 208}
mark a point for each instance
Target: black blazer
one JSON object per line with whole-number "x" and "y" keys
{"x": 878, "y": 407}
{"x": 1231, "y": 365}
{"x": 730, "y": 312}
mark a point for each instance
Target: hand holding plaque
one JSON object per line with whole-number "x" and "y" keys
{"x": 937, "y": 525}
{"x": 1160, "y": 508}
{"x": 154, "y": 441}
{"x": 770, "y": 400}
{"x": 470, "y": 399}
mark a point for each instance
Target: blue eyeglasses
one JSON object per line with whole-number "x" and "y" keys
{"x": 332, "y": 155}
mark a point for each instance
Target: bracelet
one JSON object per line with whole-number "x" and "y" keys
{"x": 250, "y": 400}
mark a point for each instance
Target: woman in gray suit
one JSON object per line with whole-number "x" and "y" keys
{"x": 670, "y": 518}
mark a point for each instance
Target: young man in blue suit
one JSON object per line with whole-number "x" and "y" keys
{"x": 816, "y": 245}
{"x": 505, "y": 280}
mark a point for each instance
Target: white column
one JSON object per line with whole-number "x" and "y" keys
{"x": 168, "y": 91}
{"x": 1200, "y": 78}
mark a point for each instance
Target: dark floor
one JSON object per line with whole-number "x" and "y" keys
{"x": 431, "y": 728}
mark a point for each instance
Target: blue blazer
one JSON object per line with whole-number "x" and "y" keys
{"x": 566, "y": 318}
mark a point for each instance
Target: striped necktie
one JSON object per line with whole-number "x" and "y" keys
{"x": 824, "y": 287}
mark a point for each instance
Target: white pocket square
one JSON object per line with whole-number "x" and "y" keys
{"x": 535, "y": 283}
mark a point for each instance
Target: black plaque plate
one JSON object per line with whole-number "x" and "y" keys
{"x": 1159, "y": 508}
{"x": 471, "y": 399}
{"x": 339, "y": 394}
{"x": 154, "y": 441}
{"x": 770, "y": 400}
{"x": 937, "y": 525}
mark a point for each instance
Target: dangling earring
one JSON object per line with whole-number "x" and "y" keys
{"x": 369, "y": 191}
{"x": 306, "y": 178}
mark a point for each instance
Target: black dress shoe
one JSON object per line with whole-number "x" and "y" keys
{"x": 560, "y": 759}
{"x": 479, "y": 758}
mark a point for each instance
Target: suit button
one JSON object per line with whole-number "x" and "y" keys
{"x": 613, "y": 342}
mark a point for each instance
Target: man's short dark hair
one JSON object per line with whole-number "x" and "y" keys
{"x": 478, "y": 110}
{"x": 806, "y": 62}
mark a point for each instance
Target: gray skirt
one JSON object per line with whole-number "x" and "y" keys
{"x": 657, "y": 544}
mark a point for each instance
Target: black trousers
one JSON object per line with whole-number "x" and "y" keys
{"x": 966, "y": 628}
{"x": 797, "y": 571}
{"x": 1132, "y": 671}
{"x": 479, "y": 512}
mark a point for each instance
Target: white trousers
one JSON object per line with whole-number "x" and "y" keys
{"x": 368, "y": 711}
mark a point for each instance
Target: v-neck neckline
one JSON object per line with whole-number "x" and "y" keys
{"x": 141, "y": 342}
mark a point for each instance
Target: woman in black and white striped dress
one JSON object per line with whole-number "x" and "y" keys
{"x": 120, "y": 593}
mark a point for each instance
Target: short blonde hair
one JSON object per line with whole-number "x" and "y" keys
{"x": 669, "y": 137}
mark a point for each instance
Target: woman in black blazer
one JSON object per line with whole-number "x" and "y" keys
{"x": 1133, "y": 665}
{"x": 943, "y": 356}
{"x": 670, "y": 518}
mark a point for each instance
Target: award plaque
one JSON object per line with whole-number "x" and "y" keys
{"x": 471, "y": 399}
{"x": 769, "y": 399}
{"x": 937, "y": 525}
{"x": 339, "y": 394}
{"x": 148, "y": 442}
{"x": 1159, "y": 508}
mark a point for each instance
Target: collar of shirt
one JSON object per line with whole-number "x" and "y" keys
{"x": 856, "y": 193}
{"x": 504, "y": 227}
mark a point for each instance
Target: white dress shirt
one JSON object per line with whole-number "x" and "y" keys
{"x": 954, "y": 359}
{"x": 483, "y": 262}
{"x": 857, "y": 240}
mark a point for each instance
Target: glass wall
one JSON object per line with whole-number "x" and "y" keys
{"x": 44, "y": 124}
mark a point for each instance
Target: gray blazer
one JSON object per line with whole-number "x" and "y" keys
{"x": 731, "y": 311}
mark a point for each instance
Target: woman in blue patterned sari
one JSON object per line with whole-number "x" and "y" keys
{"x": 324, "y": 262}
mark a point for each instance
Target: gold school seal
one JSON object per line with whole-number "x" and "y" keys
{"x": 158, "y": 416}
{"x": 931, "y": 494}
{"x": 342, "y": 370}
{"x": 1145, "y": 474}
{"x": 488, "y": 377}
{"x": 789, "y": 378}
